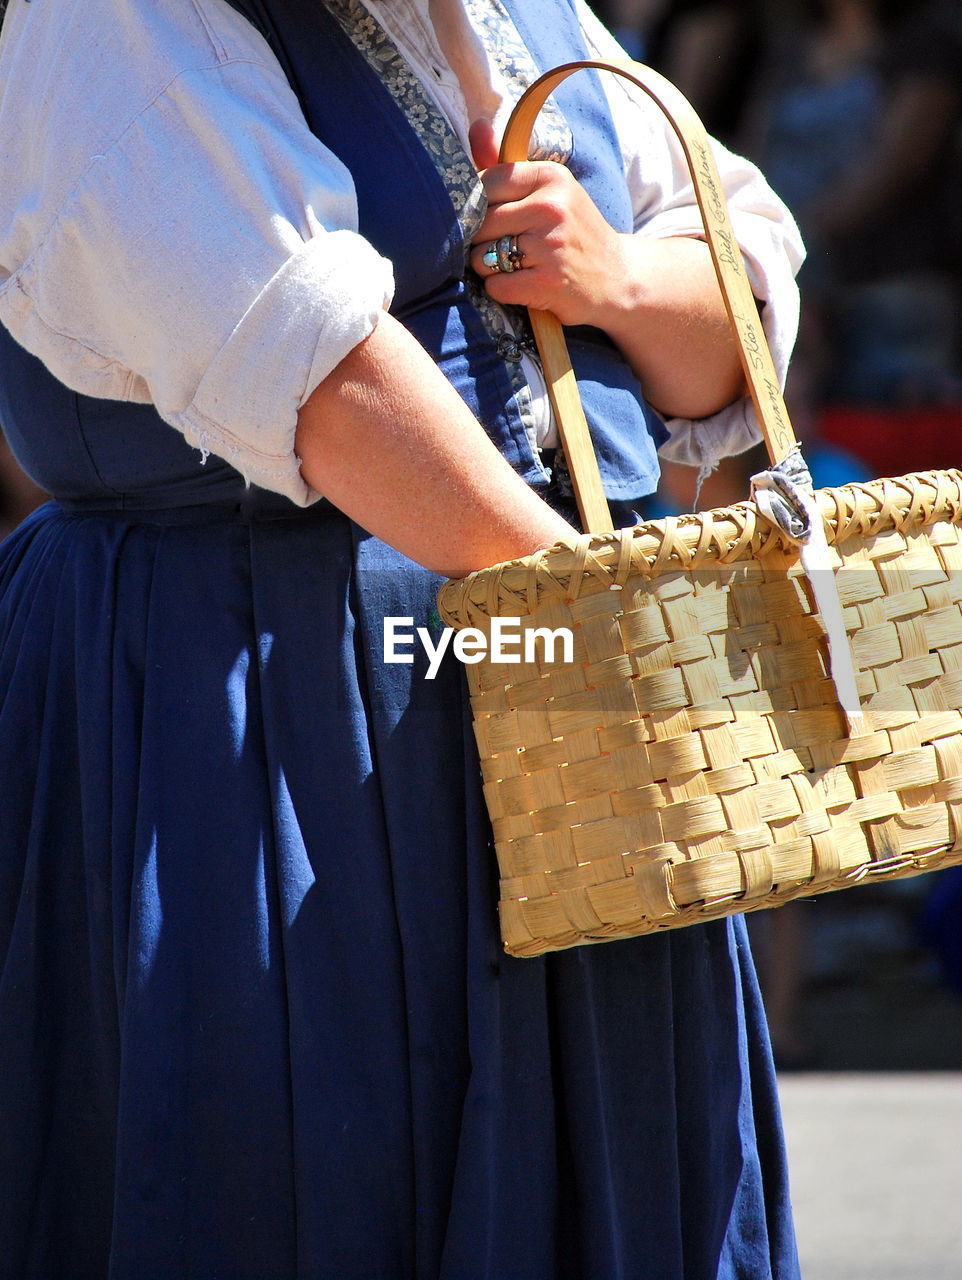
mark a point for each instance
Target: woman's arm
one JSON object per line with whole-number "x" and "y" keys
{"x": 664, "y": 207}
{"x": 387, "y": 439}
{"x": 667, "y": 316}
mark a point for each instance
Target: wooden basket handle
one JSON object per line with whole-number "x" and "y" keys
{"x": 740, "y": 302}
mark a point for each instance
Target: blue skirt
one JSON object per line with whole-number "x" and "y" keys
{"x": 255, "y": 1020}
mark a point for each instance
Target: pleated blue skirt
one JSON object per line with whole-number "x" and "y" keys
{"x": 255, "y": 1020}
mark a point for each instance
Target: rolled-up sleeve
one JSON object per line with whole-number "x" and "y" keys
{"x": 772, "y": 251}
{"x": 207, "y": 261}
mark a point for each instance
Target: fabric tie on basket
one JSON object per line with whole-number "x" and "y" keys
{"x": 785, "y": 495}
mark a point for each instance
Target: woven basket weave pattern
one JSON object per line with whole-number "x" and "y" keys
{"x": 692, "y": 760}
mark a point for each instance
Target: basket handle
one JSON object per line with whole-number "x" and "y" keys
{"x": 739, "y": 300}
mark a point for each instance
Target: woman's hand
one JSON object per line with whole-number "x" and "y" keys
{"x": 574, "y": 263}
{"x": 657, "y": 299}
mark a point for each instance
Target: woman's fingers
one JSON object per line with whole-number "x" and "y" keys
{"x": 507, "y": 183}
{"x": 543, "y": 243}
{"x": 503, "y": 255}
{"x": 526, "y": 212}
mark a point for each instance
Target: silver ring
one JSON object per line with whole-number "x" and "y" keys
{"x": 510, "y": 256}
{"x": 503, "y": 255}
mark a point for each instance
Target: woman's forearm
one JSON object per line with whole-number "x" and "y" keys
{"x": 388, "y": 441}
{"x": 666, "y": 315}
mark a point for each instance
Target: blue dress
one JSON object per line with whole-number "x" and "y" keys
{"x": 255, "y": 1020}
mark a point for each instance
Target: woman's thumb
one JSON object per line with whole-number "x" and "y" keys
{"x": 484, "y": 148}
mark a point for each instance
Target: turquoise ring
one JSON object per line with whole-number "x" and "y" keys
{"x": 503, "y": 255}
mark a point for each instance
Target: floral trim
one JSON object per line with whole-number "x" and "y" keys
{"x": 551, "y": 137}
{"x": 454, "y": 167}
{"x": 511, "y": 331}
{"x": 435, "y": 134}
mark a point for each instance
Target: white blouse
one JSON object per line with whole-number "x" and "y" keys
{"x": 172, "y": 232}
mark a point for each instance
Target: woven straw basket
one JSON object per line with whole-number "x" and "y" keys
{"x": 692, "y": 759}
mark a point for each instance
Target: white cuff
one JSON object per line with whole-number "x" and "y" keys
{"x": 318, "y": 307}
